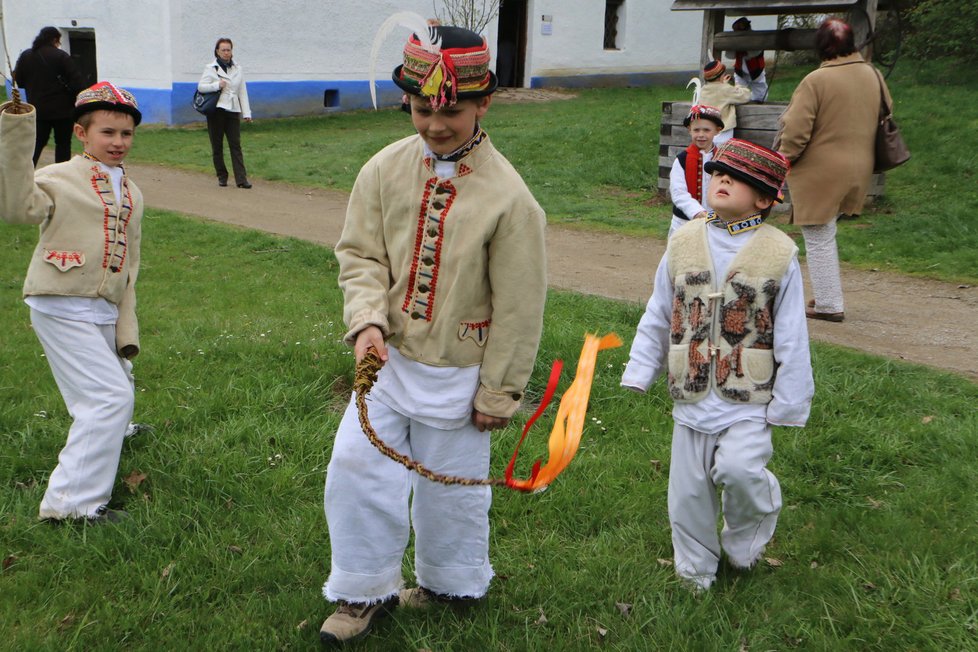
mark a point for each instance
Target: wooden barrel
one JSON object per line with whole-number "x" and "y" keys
{"x": 757, "y": 123}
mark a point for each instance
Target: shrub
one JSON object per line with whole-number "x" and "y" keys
{"x": 939, "y": 28}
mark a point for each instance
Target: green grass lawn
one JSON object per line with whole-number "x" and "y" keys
{"x": 242, "y": 374}
{"x": 591, "y": 162}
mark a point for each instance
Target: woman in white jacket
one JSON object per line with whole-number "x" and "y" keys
{"x": 225, "y": 75}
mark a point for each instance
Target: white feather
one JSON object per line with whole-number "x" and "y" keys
{"x": 414, "y": 22}
{"x": 695, "y": 82}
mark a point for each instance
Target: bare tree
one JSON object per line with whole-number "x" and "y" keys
{"x": 471, "y": 14}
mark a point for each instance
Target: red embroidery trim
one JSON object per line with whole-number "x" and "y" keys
{"x": 441, "y": 238}
{"x": 127, "y": 210}
{"x": 418, "y": 243}
{"x": 65, "y": 256}
{"x": 96, "y": 177}
{"x": 125, "y": 215}
{"x": 694, "y": 173}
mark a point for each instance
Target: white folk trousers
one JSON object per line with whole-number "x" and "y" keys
{"x": 367, "y": 501}
{"x": 734, "y": 459}
{"x": 822, "y": 255}
{"x": 97, "y": 387}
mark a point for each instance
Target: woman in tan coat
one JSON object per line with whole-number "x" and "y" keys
{"x": 828, "y": 133}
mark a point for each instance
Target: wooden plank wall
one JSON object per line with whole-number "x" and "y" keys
{"x": 757, "y": 123}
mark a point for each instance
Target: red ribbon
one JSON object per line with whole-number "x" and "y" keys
{"x": 555, "y": 370}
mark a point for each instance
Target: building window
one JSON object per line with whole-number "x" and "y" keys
{"x": 331, "y": 98}
{"x": 614, "y": 23}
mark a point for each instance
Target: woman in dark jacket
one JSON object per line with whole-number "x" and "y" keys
{"x": 52, "y": 81}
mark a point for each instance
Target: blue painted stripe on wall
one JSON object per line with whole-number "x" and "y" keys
{"x": 275, "y": 99}
{"x": 268, "y": 99}
{"x": 614, "y": 80}
{"x": 154, "y": 103}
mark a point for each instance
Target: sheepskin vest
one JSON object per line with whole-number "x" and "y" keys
{"x": 722, "y": 335}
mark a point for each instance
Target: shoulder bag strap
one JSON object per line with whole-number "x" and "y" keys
{"x": 884, "y": 107}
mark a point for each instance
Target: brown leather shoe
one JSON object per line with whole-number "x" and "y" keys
{"x": 825, "y": 316}
{"x": 353, "y": 620}
{"x": 422, "y": 598}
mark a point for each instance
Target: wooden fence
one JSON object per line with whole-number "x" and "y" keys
{"x": 757, "y": 123}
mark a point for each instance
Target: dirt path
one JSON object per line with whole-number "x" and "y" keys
{"x": 925, "y": 322}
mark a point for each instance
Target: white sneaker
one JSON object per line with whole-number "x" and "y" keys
{"x": 136, "y": 428}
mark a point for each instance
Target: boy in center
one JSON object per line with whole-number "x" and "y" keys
{"x": 442, "y": 267}
{"x": 726, "y": 324}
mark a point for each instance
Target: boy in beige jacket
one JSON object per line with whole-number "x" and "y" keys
{"x": 718, "y": 91}
{"x": 80, "y": 285}
{"x": 442, "y": 267}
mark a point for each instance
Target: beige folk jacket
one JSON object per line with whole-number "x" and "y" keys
{"x": 828, "y": 133}
{"x": 453, "y": 271}
{"x": 88, "y": 246}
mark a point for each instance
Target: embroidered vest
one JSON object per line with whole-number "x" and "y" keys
{"x": 722, "y": 335}
{"x": 694, "y": 179}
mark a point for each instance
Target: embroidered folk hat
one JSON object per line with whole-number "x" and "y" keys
{"x": 705, "y": 112}
{"x": 106, "y": 96}
{"x": 453, "y": 67}
{"x": 756, "y": 166}
{"x": 713, "y": 70}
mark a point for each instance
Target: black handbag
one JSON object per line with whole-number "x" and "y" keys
{"x": 206, "y": 103}
{"x": 891, "y": 150}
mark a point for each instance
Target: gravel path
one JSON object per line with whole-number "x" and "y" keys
{"x": 921, "y": 321}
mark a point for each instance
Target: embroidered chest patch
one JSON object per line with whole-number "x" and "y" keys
{"x": 64, "y": 260}
{"x": 475, "y": 330}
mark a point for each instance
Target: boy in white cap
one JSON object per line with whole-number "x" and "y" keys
{"x": 442, "y": 267}
{"x": 726, "y": 324}
{"x": 81, "y": 285}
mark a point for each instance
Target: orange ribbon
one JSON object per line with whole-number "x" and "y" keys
{"x": 565, "y": 437}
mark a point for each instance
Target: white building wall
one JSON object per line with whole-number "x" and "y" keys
{"x": 132, "y": 35}
{"x": 296, "y": 52}
{"x": 652, "y": 40}
{"x": 289, "y": 40}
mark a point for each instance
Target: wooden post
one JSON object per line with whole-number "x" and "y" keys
{"x": 712, "y": 23}
{"x": 863, "y": 21}
{"x": 788, "y": 40}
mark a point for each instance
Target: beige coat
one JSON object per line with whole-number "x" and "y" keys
{"x": 453, "y": 271}
{"x": 828, "y": 133}
{"x": 88, "y": 246}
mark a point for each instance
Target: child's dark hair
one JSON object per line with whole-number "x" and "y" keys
{"x": 834, "y": 38}
{"x": 223, "y": 39}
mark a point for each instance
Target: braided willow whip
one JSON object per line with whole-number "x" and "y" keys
{"x": 366, "y": 376}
